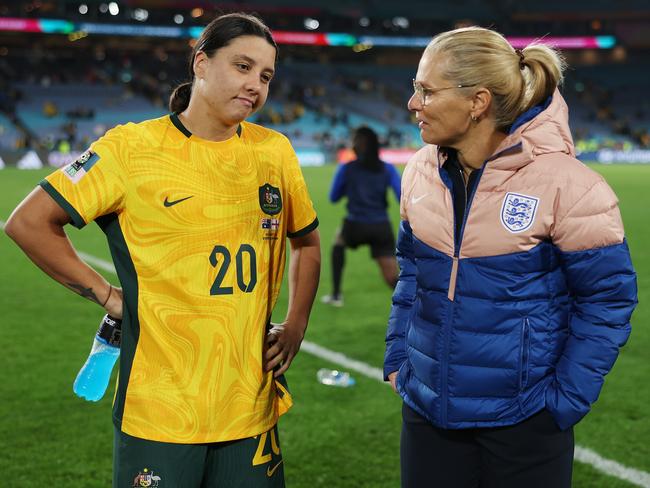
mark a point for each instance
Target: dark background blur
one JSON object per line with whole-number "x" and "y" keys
{"x": 60, "y": 91}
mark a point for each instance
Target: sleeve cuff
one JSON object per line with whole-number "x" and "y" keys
{"x": 304, "y": 231}
{"x": 77, "y": 220}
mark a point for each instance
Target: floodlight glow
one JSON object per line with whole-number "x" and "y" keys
{"x": 140, "y": 14}
{"x": 113, "y": 8}
{"x": 605, "y": 42}
{"x": 311, "y": 24}
{"x": 335, "y": 39}
{"x": 83, "y": 9}
{"x": 401, "y": 22}
{"x": 57, "y": 26}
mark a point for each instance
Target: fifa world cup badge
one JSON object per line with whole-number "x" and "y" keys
{"x": 78, "y": 168}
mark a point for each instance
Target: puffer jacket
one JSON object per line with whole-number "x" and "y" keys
{"x": 527, "y": 308}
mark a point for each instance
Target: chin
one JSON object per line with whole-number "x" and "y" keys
{"x": 237, "y": 118}
{"x": 429, "y": 139}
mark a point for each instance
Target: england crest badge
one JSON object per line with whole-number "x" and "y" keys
{"x": 270, "y": 199}
{"x": 518, "y": 212}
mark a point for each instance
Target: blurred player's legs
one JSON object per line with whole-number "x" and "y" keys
{"x": 379, "y": 236}
{"x": 388, "y": 267}
{"x": 338, "y": 263}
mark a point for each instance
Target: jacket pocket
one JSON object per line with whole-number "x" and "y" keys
{"x": 524, "y": 354}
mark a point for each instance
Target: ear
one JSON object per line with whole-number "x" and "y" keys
{"x": 481, "y": 102}
{"x": 200, "y": 64}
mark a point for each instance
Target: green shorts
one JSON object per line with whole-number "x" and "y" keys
{"x": 255, "y": 462}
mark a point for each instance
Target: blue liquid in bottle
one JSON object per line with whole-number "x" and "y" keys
{"x": 93, "y": 377}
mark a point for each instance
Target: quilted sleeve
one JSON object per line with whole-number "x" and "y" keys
{"x": 403, "y": 298}
{"x": 602, "y": 285}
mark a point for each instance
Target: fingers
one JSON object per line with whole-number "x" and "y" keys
{"x": 392, "y": 378}
{"x": 283, "y": 368}
{"x": 280, "y": 349}
{"x": 281, "y": 361}
{"x": 278, "y": 356}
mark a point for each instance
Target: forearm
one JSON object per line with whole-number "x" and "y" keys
{"x": 304, "y": 272}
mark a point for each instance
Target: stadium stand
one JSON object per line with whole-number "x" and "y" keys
{"x": 58, "y": 94}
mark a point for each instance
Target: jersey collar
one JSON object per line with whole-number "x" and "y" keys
{"x": 179, "y": 125}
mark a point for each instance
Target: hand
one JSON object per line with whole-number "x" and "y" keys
{"x": 281, "y": 346}
{"x": 393, "y": 380}
{"x": 114, "y": 304}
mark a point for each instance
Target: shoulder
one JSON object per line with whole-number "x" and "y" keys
{"x": 576, "y": 184}
{"x": 566, "y": 170}
{"x": 260, "y": 134}
{"x": 390, "y": 169}
{"x": 424, "y": 162}
{"x": 135, "y": 134}
{"x": 566, "y": 173}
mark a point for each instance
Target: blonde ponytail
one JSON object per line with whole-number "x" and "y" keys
{"x": 518, "y": 80}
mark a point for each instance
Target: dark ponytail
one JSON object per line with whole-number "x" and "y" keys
{"x": 180, "y": 97}
{"x": 369, "y": 157}
{"x": 217, "y": 34}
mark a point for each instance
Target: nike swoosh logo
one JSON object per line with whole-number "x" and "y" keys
{"x": 167, "y": 203}
{"x": 415, "y": 200}
{"x": 270, "y": 471}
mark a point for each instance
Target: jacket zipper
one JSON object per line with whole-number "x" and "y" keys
{"x": 451, "y": 293}
{"x": 454, "y": 265}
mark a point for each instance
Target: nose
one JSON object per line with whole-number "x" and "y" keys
{"x": 253, "y": 83}
{"x": 414, "y": 104}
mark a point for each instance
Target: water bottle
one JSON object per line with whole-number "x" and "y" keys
{"x": 333, "y": 377}
{"x": 95, "y": 374}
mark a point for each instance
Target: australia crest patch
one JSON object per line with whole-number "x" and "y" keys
{"x": 270, "y": 199}
{"x": 518, "y": 212}
{"x": 146, "y": 478}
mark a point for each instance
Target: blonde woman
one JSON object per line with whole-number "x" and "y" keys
{"x": 516, "y": 285}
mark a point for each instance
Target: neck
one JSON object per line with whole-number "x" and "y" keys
{"x": 199, "y": 122}
{"x": 478, "y": 147}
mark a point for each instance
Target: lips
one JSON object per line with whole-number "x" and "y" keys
{"x": 246, "y": 101}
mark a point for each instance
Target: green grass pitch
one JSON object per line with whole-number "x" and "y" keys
{"x": 333, "y": 437}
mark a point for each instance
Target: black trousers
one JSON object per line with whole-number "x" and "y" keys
{"x": 534, "y": 453}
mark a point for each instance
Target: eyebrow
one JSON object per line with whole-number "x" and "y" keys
{"x": 252, "y": 62}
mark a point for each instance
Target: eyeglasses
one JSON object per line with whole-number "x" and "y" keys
{"x": 424, "y": 93}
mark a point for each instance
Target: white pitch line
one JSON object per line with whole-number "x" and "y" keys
{"x": 343, "y": 360}
{"x": 612, "y": 468}
{"x": 97, "y": 262}
{"x": 582, "y": 454}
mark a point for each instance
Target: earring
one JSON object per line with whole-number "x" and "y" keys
{"x": 474, "y": 118}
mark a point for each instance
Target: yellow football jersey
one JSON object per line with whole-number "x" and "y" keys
{"x": 197, "y": 230}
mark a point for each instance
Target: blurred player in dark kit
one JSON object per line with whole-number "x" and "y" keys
{"x": 364, "y": 182}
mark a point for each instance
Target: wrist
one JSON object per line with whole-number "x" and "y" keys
{"x": 113, "y": 305}
{"x": 296, "y": 324}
